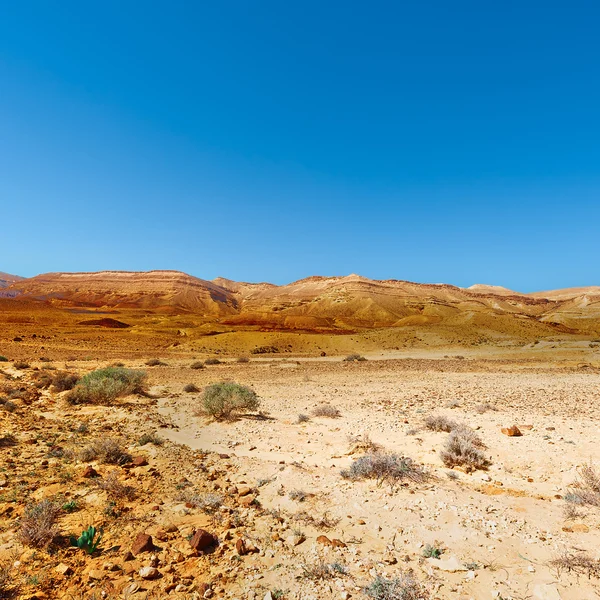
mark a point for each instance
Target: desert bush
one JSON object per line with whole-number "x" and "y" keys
{"x": 209, "y": 503}
{"x": 155, "y": 362}
{"x": 586, "y": 488}
{"x": 578, "y": 563}
{"x": 485, "y": 407}
{"x": 197, "y": 365}
{"x": 3, "y": 358}
{"x": 8, "y": 587}
{"x": 220, "y": 400}
{"x": 20, "y": 364}
{"x": 115, "y": 490}
{"x": 63, "y": 381}
{"x": 303, "y": 418}
{"x": 297, "y": 495}
{"x": 38, "y": 525}
{"x": 322, "y": 570}
{"x": 462, "y": 448}
{"x": 405, "y": 587}
{"x": 243, "y": 359}
{"x": 354, "y": 358}
{"x": 319, "y": 522}
{"x": 105, "y": 450}
{"x": 150, "y": 438}
{"x": 432, "y": 551}
{"x": 389, "y": 468}
{"x": 363, "y": 443}
{"x": 212, "y": 361}
{"x": 265, "y": 350}
{"x": 440, "y": 423}
{"x": 190, "y": 388}
{"x": 326, "y": 410}
{"x": 104, "y": 386}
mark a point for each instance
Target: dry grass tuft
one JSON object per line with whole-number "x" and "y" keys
{"x": 190, "y": 388}
{"x": 114, "y": 489}
{"x": 38, "y": 524}
{"x": 197, "y": 365}
{"x": 586, "y": 489}
{"x": 106, "y": 450}
{"x": 405, "y": 587}
{"x": 440, "y": 423}
{"x": 579, "y": 563}
{"x": 326, "y": 410}
{"x": 392, "y": 469}
{"x": 462, "y": 448}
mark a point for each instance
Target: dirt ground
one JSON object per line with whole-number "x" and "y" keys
{"x": 495, "y": 531}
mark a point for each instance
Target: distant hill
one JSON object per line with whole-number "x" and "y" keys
{"x": 6, "y": 279}
{"x": 322, "y": 303}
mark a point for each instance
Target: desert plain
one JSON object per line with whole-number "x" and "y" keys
{"x": 278, "y": 501}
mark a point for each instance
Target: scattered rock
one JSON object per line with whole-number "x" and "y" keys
{"x": 243, "y": 490}
{"x": 202, "y": 539}
{"x": 513, "y": 431}
{"x": 139, "y": 461}
{"x": 149, "y": 573}
{"x": 142, "y": 543}
{"x": 545, "y": 591}
{"x": 89, "y": 471}
{"x": 323, "y": 539}
{"x": 575, "y": 528}
{"x": 294, "y": 539}
{"x": 63, "y": 569}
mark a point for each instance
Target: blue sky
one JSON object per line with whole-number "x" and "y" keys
{"x": 268, "y": 141}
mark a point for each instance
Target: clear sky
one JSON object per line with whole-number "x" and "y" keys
{"x": 432, "y": 141}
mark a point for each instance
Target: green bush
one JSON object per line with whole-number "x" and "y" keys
{"x": 220, "y": 400}
{"x": 3, "y": 359}
{"x": 104, "y": 386}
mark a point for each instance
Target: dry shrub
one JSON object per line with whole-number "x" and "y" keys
{"x": 209, "y": 502}
{"x": 393, "y": 469}
{"x": 190, "y": 388}
{"x": 440, "y": 423}
{"x": 326, "y": 410}
{"x": 21, "y": 364}
{"x": 243, "y": 359}
{"x": 63, "y": 381}
{"x": 155, "y": 362}
{"x": 354, "y": 358}
{"x": 362, "y": 443}
{"x": 221, "y": 400}
{"x": 579, "y": 563}
{"x": 114, "y": 489}
{"x": 197, "y": 365}
{"x": 318, "y": 522}
{"x": 462, "y": 448}
{"x": 303, "y": 418}
{"x": 483, "y": 408}
{"x": 322, "y": 570}
{"x": 38, "y": 524}
{"x": 405, "y": 587}
{"x": 212, "y": 361}
{"x": 8, "y": 587}
{"x": 586, "y": 489}
{"x": 106, "y": 450}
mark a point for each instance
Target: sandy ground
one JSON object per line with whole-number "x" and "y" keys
{"x": 497, "y": 529}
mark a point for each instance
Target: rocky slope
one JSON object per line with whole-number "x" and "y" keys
{"x": 339, "y": 304}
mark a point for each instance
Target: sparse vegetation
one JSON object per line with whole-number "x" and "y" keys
{"x": 3, "y": 358}
{"x": 586, "y": 488}
{"x": 432, "y": 551}
{"x": 485, "y": 407}
{"x": 405, "y": 587}
{"x": 303, "y": 418}
{"x": 155, "y": 362}
{"x": 578, "y": 563}
{"x": 297, "y": 495}
{"x": 197, "y": 365}
{"x": 243, "y": 359}
{"x": 212, "y": 361}
{"x": 209, "y": 502}
{"x": 440, "y": 423}
{"x": 115, "y": 489}
{"x": 462, "y": 448}
{"x": 63, "y": 381}
{"x": 20, "y": 364}
{"x": 38, "y": 525}
{"x": 321, "y": 570}
{"x": 105, "y": 450}
{"x": 326, "y": 410}
{"x": 354, "y": 358}
{"x": 104, "y": 386}
{"x": 190, "y": 388}
{"x": 221, "y": 400}
{"x": 392, "y": 469}
{"x": 150, "y": 438}
{"x": 87, "y": 540}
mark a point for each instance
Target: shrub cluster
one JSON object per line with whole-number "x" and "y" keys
{"x": 104, "y": 386}
{"x": 389, "y": 468}
{"x": 220, "y": 400}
